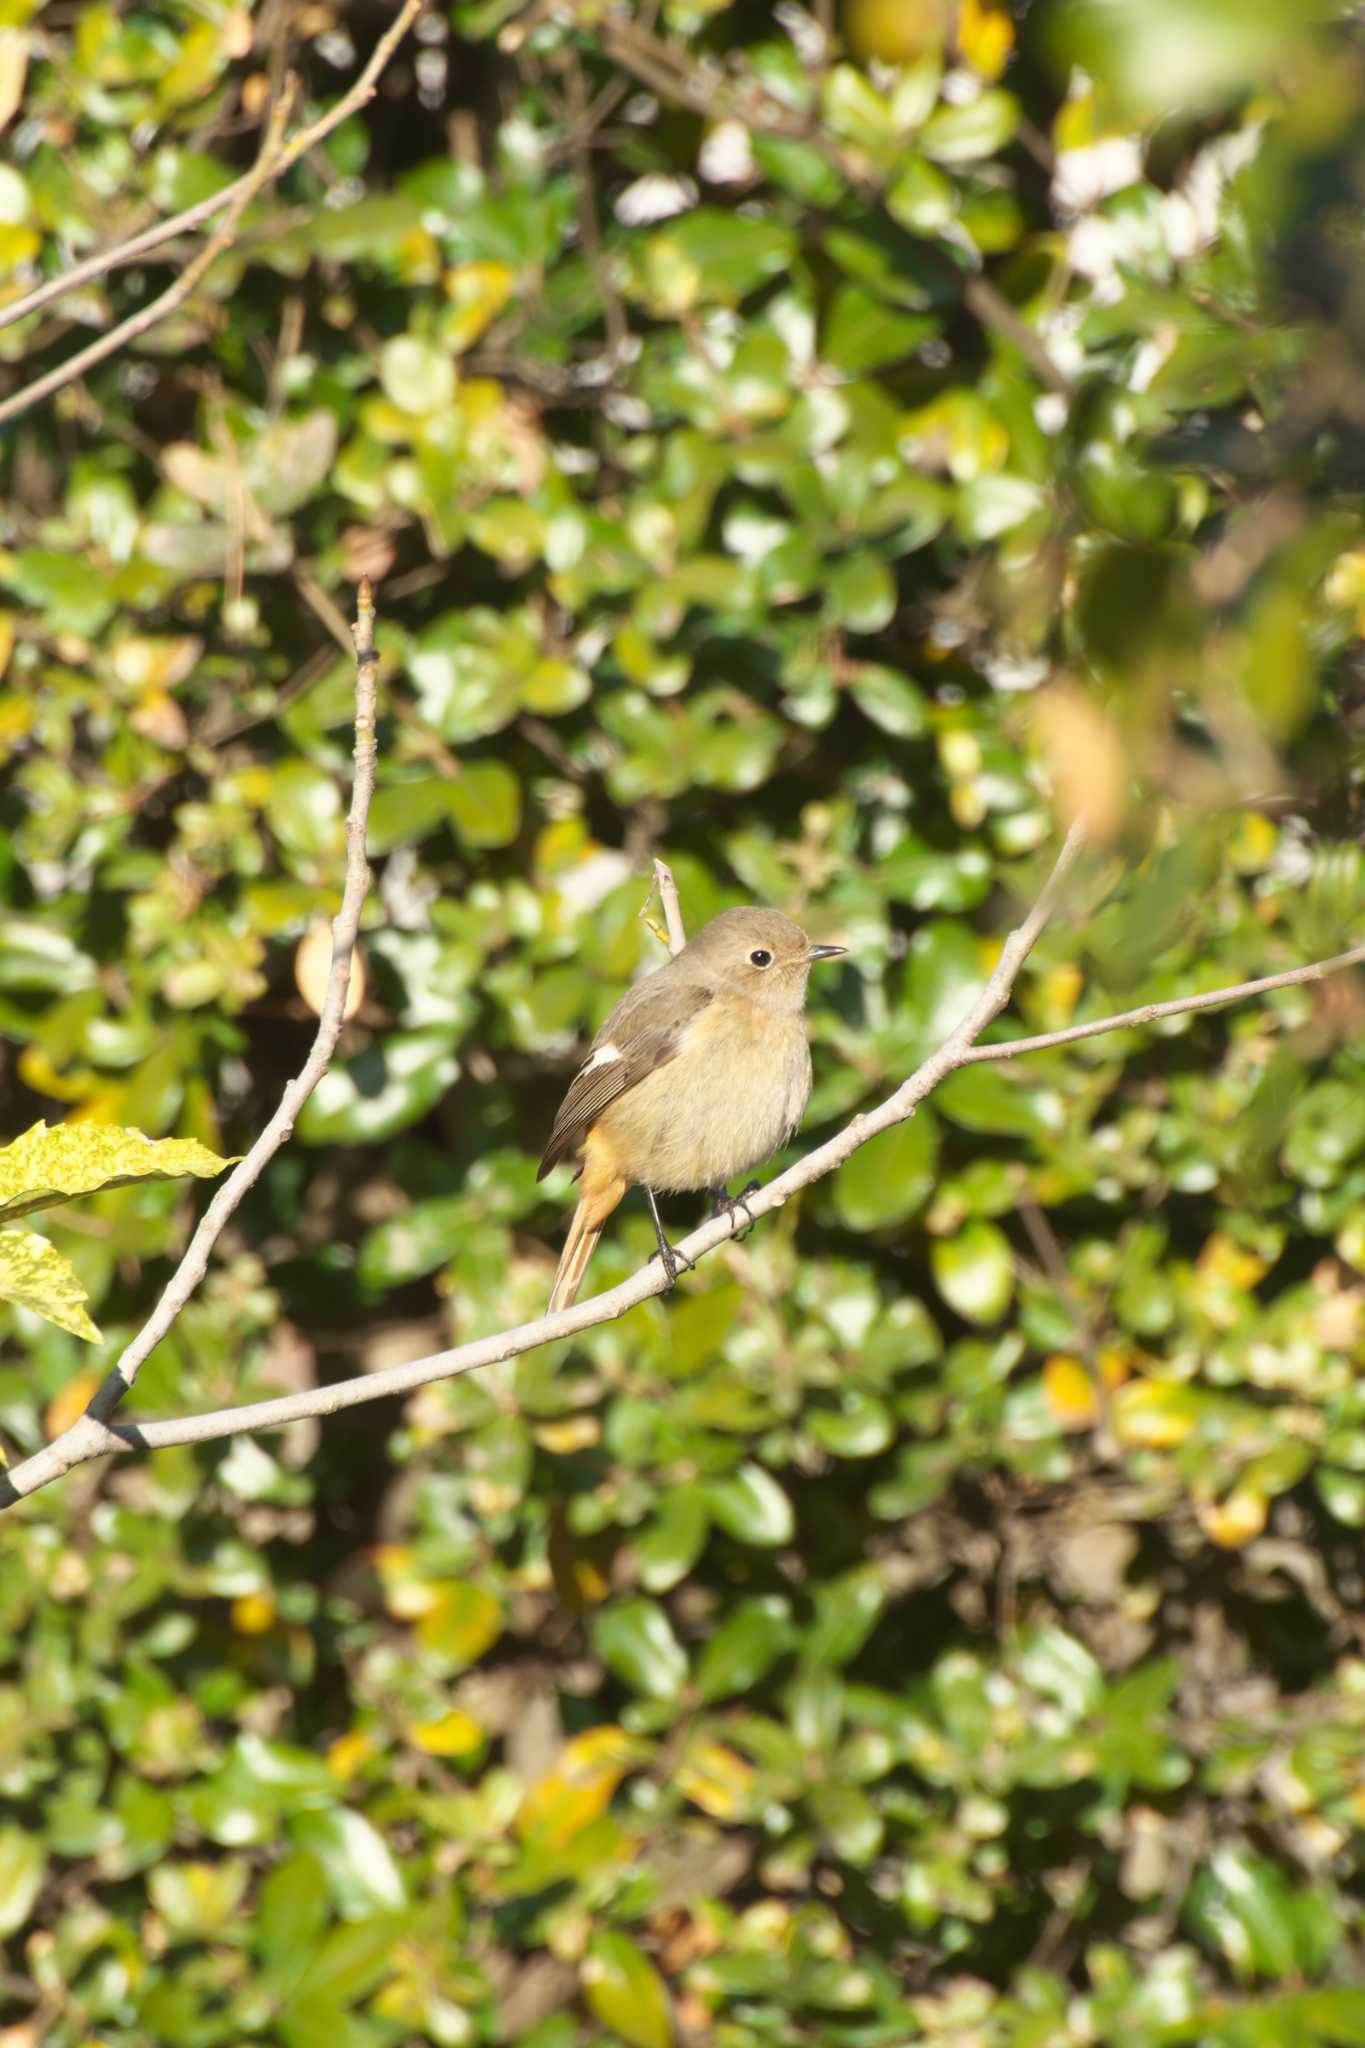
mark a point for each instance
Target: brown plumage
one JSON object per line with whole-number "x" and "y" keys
{"x": 700, "y": 1072}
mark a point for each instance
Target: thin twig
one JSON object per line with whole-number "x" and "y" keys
{"x": 265, "y": 167}
{"x": 88, "y": 1436}
{"x": 666, "y": 889}
{"x": 160, "y": 231}
{"x": 1178, "y": 1006}
{"x": 91, "y": 1438}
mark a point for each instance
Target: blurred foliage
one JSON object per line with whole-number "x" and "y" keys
{"x": 825, "y": 456}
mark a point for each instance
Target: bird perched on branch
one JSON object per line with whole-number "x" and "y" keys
{"x": 700, "y": 1072}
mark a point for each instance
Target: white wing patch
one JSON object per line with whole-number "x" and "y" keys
{"x": 603, "y": 1057}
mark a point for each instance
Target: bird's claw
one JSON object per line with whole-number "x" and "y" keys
{"x": 671, "y": 1258}
{"x": 723, "y": 1203}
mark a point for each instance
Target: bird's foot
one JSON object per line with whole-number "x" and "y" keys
{"x": 723, "y": 1203}
{"x": 670, "y": 1258}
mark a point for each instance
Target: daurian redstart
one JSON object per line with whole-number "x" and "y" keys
{"x": 700, "y": 1072}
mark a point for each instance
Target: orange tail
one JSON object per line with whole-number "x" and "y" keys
{"x": 579, "y": 1246}
{"x": 603, "y": 1188}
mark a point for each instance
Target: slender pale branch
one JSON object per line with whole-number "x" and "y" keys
{"x": 667, "y": 891}
{"x": 959, "y": 1049}
{"x": 1178, "y": 1006}
{"x": 90, "y": 1436}
{"x": 243, "y": 188}
{"x": 176, "y": 293}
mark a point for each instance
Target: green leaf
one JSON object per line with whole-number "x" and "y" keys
{"x": 635, "y": 1639}
{"x": 861, "y": 593}
{"x": 23, "y": 1865}
{"x": 418, "y": 377}
{"x": 959, "y": 135}
{"x": 889, "y": 1178}
{"x": 402, "y": 813}
{"x": 890, "y": 700}
{"x": 35, "y": 1276}
{"x": 356, "y": 1860}
{"x": 625, "y": 1991}
{"x": 744, "y": 1648}
{"x": 669, "y": 1545}
{"x": 847, "y": 1610}
{"x": 732, "y": 254}
{"x": 750, "y": 1506}
{"x": 410, "y": 1245}
{"x": 974, "y": 1272}
{"x": 859, "y": 1427}
{"x": 383, "y": 1089}
{"x": 485, "y": 804}
{"x": 60, "y": 589}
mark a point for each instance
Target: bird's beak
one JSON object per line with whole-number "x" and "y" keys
{"x": 827, "y": 952}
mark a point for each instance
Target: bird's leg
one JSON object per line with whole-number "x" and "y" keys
{"x": 669, "y": 1258}
{"x": 723, "y": 1203}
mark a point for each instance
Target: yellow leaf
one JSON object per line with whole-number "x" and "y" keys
{"x": 350, "y": 1752}
{"x": 454, "y": 1734}
{"x": 37, "y": 1072}
{"x": 69, "y": 1404}
{"x": 1345, "y": 585}
{"x": 1224, "y": 1262}
{"x": 1253, "y": 844}
{"x": 1070, "y": 1392}
{"x": 893, "y": 31}
{"x": 18, "y": 245}
{"x": 35, "y": 1276}
{"x": 717, "y": 1779}
{"x": 574, "y": 1433}
{"x": 464, "y": 1621}
{"x": 478, "y": 292}
{"x": 578, "y": 1790}
{"x": 45, "y": 1166}
{"x": 253, "y": 1614}
{"x": 143, "y": 661}
{"x": 1235, "y": 1521}
{"x": 1155, "y": 1415}
{"x": 1059, "y": 991}
{"x": 985, "y": 36}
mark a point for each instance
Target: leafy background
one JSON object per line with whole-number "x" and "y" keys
{"x": 821, "y": 450}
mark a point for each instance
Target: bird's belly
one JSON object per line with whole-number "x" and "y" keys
{"x": 709, "y": 1115}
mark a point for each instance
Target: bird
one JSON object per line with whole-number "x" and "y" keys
{"x": 701, "y": 1072}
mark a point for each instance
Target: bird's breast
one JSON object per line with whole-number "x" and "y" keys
{"x": 733, "y": 1095}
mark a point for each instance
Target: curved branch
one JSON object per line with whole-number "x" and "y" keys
{"x": 89, "y": 1436}
{"x": 238, "y": 192}
{"x": 92, "y": 1438}
{"x": 1178, "y": 1006}
{"x": 176, "y": 293}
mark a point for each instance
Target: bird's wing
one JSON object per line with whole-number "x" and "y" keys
{"x": 644, "y": 1031}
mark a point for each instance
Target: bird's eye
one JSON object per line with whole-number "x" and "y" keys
{"x": 761, "y": 957}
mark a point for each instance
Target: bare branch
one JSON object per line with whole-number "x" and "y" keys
{"x": 1178, "y": 1006}
{"x": 124, "y": 253}
{"x": 175, "y": 294}
{"x": 89, "y": 1436}
{"x": 666, "y": 889}
{"x": 92, "y": 1438}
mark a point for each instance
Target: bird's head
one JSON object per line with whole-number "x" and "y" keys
{"x": 757, "y": 953}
